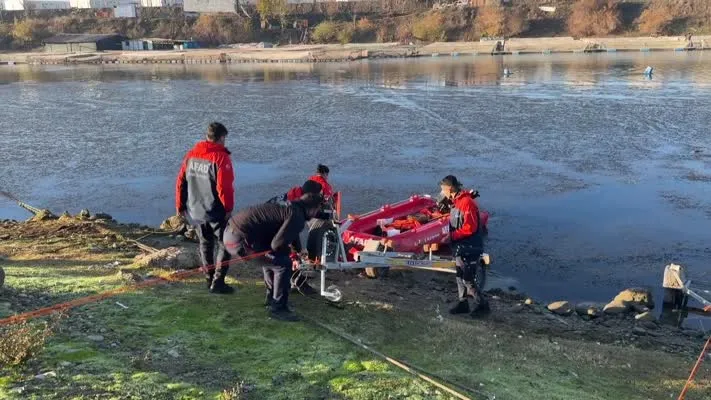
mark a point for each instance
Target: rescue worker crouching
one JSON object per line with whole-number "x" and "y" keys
{"x": 299, "y": 283}
{"x": 205, "y": 192}
{"x": 467, "y": 244}
{"x": 274, "y": 228}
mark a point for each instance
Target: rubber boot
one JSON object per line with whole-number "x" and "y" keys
{"x": 481, "y": 308}
{"x": 283, "y": 314}
{"x": 462, "y": 307}
{"x": 220, "y": 287}
{"x": 209, "y": 278}
{"x": 218, "y": 283}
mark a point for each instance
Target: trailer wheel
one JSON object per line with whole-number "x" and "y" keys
{"x": 314, "y": 242}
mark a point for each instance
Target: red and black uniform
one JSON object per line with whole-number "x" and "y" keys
{"x": 205, "y": 191}
{"x": 205, "y": 183}
{"x": 464, "y": 219}
{"x": 467, "y": 244}
{"x": 327, "y": 189}
{"x": 293, "y": 194}
{"x": 296, "y": 192}
{"x": 318, "y": 226}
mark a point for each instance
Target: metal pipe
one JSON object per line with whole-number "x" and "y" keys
{"x": 408, "y": 368}
{"x": 324, "y": 263}
{"x": 451, "y": 271}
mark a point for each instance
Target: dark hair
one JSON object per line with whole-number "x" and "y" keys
{"x": 451, "y": 180}
{"x": 311, "y": 200}
{"x": 322, "y": 169}
{"x": 311, "y": 187}
{"x": 216, "y": 131}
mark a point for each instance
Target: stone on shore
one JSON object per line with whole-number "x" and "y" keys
{"x": 615, "y": 308}
{"x": 170, "y": 258}
{"x": 588, "y": 309}
{"x": 635, "y": 297}
{"x": 174, "y": 223}
{"x": 645, "y": 316}
{"x": 560, "y": 308}
{"x": 65, "y": 217}
{"x": 84, "y": 214}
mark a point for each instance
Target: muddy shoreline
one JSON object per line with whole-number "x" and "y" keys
{"x": 519, "y": 333}
{"x": 167, "y": 249}
{"x": 352, "y": 52}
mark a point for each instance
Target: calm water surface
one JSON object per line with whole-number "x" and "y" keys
{"x": 596, "y": 177}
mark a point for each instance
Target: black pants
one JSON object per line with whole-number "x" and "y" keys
{"x": 277, "y": 276}
{"x": 212, "y": 250}
{"x": 466, "y": 260}
{"x": 277, "y": 279}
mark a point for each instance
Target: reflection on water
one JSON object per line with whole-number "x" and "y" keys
{"x": 596, "y": 176}
{"x": 569, "y": 69}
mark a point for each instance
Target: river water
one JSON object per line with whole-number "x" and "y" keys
{"x": 595, "y": 176}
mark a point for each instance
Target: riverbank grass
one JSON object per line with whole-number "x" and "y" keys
{"x": 177, "y": 341}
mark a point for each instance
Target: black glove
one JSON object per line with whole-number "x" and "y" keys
{"x": 444, "y": 206}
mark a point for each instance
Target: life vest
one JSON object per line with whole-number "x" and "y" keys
{"x": 465, "y": 221}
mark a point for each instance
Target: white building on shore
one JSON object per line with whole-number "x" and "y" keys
{"x": 161, "y": 3}
{"x": 95, "y": 3}
{"x": 21, "y": 5}
{"x": 228, "y": 6}
{"x": 99, "y": 4}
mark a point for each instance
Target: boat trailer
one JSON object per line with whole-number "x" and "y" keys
{"x": 376, "y": 255}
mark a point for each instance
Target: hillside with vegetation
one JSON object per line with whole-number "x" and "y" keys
{"x": 381, "y": 21}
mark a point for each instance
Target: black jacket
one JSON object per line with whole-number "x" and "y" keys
{"x": 271, "y": 226}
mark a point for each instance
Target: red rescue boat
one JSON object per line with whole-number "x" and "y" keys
{"x": 407, "y": 226}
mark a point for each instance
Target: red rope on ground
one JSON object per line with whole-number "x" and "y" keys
{"x": 694, "y": 370}
{"x": 175, "y": 276}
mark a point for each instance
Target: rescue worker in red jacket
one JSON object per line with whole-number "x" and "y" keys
{"x": 296, "y": 192}
{"x": 467, "y": 244}
{"x": 205, "y": 192}
{"x": 275, "y": 228}
{"x": 321, "y": 177}
{"x": 319, "y": 226}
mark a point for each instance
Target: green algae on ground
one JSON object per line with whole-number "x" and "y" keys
{"x": 177, "y": 341}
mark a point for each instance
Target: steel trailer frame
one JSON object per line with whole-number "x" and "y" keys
{"x": 374, "y": 259}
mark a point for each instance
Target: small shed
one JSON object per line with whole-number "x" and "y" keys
{"x": 82, "y": 43}
{"x": 158, "y": 44}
